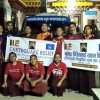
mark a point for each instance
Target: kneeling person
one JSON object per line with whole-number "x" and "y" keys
{"x": 34, "y": 76}
{"x": 59, "y": 71}
{"x": 13, "y": 76}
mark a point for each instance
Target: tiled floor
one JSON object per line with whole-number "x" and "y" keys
{"x": 48, "y": 96}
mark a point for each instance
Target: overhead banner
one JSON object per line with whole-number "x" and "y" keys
{"x": 25, "y": 47}
{"x": 82, "y": 54}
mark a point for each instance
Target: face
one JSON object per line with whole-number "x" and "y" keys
{"x": 59, "y": 31}
{"x": 12, "y": 57}
{"x": 72, "y": 27}
{"x": 57, "y": 58}
{"x": 1, "y": 29}
{"x": 83, "y": 46}
{"x": 88, "y": 30}
{"x": 33, "y": 60}
{"x": 44, "y": 27}
{"x": 31, "y": 44}
{"x": 66, "y": 28}
{"x": 10, "y": 27}
{"x": 27, "y": 30}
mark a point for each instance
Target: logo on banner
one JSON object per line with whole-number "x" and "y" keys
{"x": 49, "y": 46}
{"x": 14, "y": 42}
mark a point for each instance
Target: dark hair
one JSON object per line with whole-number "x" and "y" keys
{"x": 9, "y": 22}
{"x": 27, "y": 26}
{"x": 72, "y": 23}
{"x": 33, "y": 56}
{"x": 60, "y": 27}
{"x": 88, "y": 26}
{"x": 57, "y": 54}
{"x": 45, "y": 23}
{"x": 12, "y": 53}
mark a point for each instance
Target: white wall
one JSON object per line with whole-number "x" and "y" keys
{"x": 94, "y": 17}
{"x": 8, "y": 11}
{"x": 21, "y": 16}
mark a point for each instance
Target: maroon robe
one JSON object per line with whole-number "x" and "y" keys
{"x": 34, "y": 74}
{"x": 59, "y": 45}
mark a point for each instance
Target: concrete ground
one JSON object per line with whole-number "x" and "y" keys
{"x": 48, "y": 96}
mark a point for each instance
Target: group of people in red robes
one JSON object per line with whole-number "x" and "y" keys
{"x": 19, "y": 79}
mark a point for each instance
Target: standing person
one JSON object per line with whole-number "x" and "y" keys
{"x": 45, "y": 35}
{"x": 3, "y": 39}
{"x": 10, "y": 29}
{"x": 15, "y": 71}
{"x": 34, "y": 76}
{"x": 88, "y": 33}
{"x": 28, "y": 32}
{"x": 87, "y": 78}
{"x": 58, "y": 71}
{"x": 59, "y": 39}
{"x": 66, "y": 30}
{"x": 95, "y": 31}
{"x": 74, "y": 73}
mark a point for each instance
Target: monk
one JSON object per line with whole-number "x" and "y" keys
{"x": 13, "y": 77}
{"x": 34, "y": 76}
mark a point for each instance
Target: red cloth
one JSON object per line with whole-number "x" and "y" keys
{"x": 40, "y": 87}
{"x": 37, "y": 72}
{"x": 57, "y": 71}
{"x": 16, "y": 71}
{"x": 12, "y": 89}
{"x": 59, "y": 45}
{"x": 75, "y": 36}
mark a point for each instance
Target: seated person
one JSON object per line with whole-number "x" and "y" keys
{"x": 45, "y": 35}
{"x": 15, "y": 71}
{"x": 34, "y": 76}
{"x": 59, "y": 72}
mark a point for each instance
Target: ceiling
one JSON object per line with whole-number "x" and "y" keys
{"x": 36, "y": 6}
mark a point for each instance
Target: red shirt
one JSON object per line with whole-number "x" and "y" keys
{"x": 14, "y": 71}
{"x": 75, "y": 36}
{"x": 57, "y": 71}
{"x": 35, "y": 72}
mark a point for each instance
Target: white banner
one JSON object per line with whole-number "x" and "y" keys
{"x": 82, "y": 54}
{"x": 25, "y": 47}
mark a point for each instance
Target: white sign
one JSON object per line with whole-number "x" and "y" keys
{"x": 25, "y": 47}
{"x": 82, "y": 54}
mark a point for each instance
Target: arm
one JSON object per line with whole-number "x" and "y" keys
{"x": 46, "y": 80}
{"x": 48, "y": 76}
{"x": 62, "y": 79}
{"x": 39, "y": 79}
{"x": 20, "y": 81}
{"x": 36, "y": 81}
{"x": 28, "y": 78}
{"x": 5, "y": 80}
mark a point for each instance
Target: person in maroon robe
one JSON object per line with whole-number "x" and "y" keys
{"x": 59, "y": 39}
{"x": 73, "y": 75}
{"x": 28, "y": 32}
{"x": 45, "y": 34}
{"x": 87, "y": 78}
{"x": 13, "y": 77}
{"x": 34, "y": 76}
{"x": 58, "y": 73}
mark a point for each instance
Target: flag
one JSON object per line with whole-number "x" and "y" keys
{"x": 49, "y": 46}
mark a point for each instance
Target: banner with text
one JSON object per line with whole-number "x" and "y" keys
{"x": 25, "y": 47}
{"x": 82, "y": 54}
